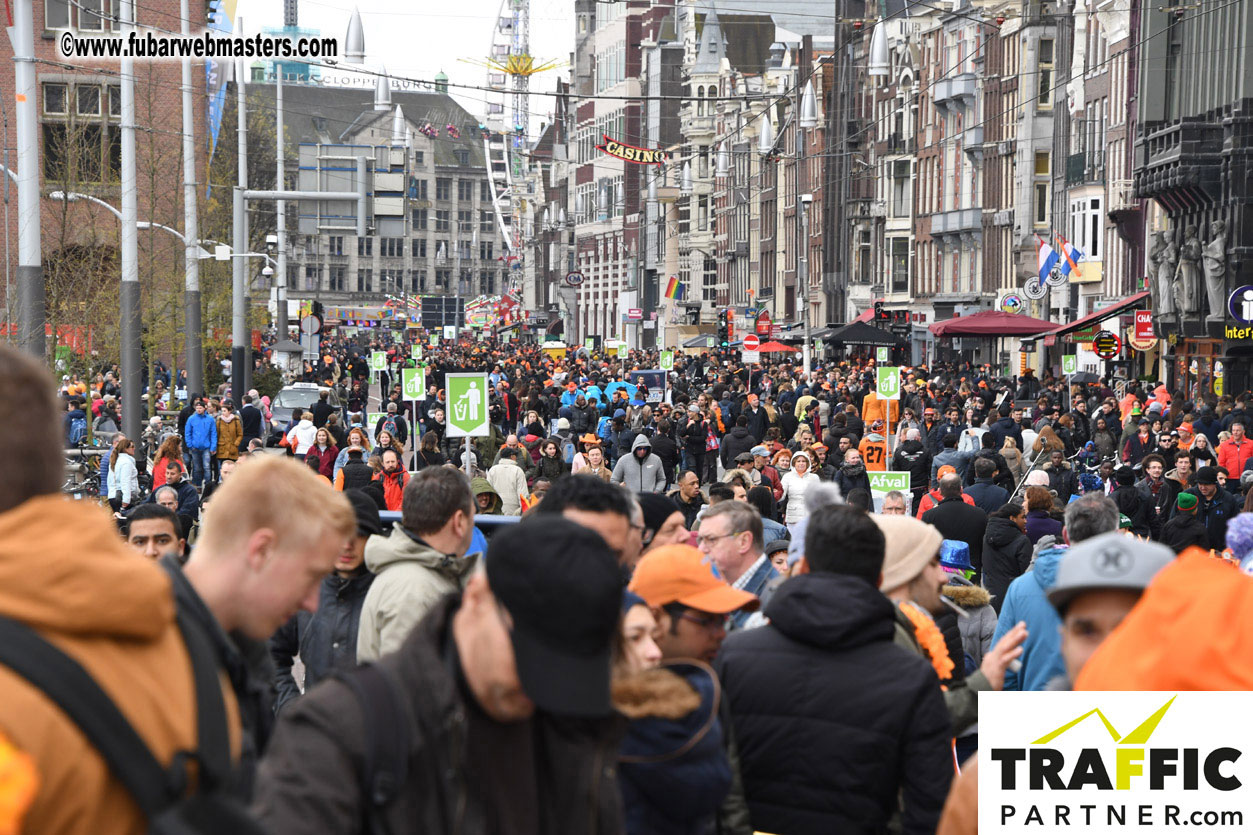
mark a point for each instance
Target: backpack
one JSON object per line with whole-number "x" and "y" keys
{"x": 161, "y": 792}
{"x": 389, "y": 424}
{"x": 78, "y": 431}
{"x": 567, "y": 452}
{"x": 385, "y": 762}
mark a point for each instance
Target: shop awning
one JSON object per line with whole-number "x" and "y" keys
{"x": 992, "y": 323}
{"x": 860, "y": 333}
{"x": 704, "y": 340}
{"x": 1134, "y": 300}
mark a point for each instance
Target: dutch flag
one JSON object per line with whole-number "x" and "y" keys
{"x": 1046, "y": 258}
{"x": 1070, "y": 254}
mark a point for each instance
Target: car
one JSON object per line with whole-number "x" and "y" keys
{"x": 296, "y": 396}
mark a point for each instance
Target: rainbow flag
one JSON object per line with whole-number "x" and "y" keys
{"x": 674, "y": 290}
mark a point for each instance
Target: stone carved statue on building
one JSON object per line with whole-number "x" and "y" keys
{"x": 1167, "y": 258}
{"x": 1158, "y": 279}
{"x": 1188, "y": 274}
{"x": 1214, "y": 261}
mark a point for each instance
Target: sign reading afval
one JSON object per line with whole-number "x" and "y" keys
{"x": 630, "y": 153}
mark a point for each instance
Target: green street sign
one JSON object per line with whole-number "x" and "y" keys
{"x": 378, "y": 361}
{"x": 372, "y": 420}
{"x": 467, "y": 405}
{"x": 889, "y": 387}
{"x": 883, "y": 354}
{"x": 883, "y": 483}
{"x": 1070, "y": 363}
{"x": 415, "y": 351}
{"x": 413, "y": 383}
{"x": 667, "y": 360}
{"x": 622, "y": 351}
{"x": 434, "y": 340}
{"x": 589, "y": 343}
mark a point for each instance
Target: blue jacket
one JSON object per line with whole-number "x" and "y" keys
{"x": 673, "y": 773}
{"x": 201, "y": 432}
{"x": 756, "y": 584}
{"x": 1006, "y": 428}
{"x": 1026, "y": 601}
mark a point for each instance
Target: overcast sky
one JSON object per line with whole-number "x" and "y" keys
{"x": 418, "y": 44}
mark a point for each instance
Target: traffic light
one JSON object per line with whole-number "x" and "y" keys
{"x": 317, "y": 310}
{"x": 723, "y": 339}
{"x": 880, "y": 314}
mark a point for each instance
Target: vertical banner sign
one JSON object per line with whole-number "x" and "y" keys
{"x": 413, "y": 383}
{"x": 1070, "y": 364}
{"x": 1144, "y": 326}
{"x": 883, "y": 354}
{"x": 378, "y": 361}
{"x": 372, "y": 420}
{"x": 415, "y": 351}
{"x": 450, "y": 331}
{"x": 883, "y": 483}
{"x": 467, "y": 405}
{"x": 434, "y": 340}
{"x": 889, "y": 387}
{"x": 622, "y": 352}
{"x": 667, "y": 360}
{"x": 589, "y": 343}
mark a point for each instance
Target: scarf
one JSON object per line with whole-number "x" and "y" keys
{"x": 853, "y": 470}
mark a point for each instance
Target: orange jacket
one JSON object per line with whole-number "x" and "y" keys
{"x": 1190, "y": 631}
{"x": 65, "y": 572}
{"x": 1232, "y": 455}
{"x": 874, "y": 454}
{"x": 393, "y": 487}
{"x": 872, "y": 409}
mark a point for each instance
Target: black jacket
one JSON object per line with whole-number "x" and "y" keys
{"x": 912, "y": 457}
{"x": 1160, "y": 506}
{"x": 321, "y": 411}
{"x": 1062, "y": 481}
{"x": 250, "y": 420}
{"x": 734, "y": 442}
{"x": 1136, "y": 508}
{"x": 689, "y": 509}
{"x": 325, "y": 640}
{"x": 1183, "y": 531}
{"x": 835, "y": 724}
{"x": 1215, "y": 514}
{"x": 357, "y": 474}
{"x": 667, "y": 450}
{"x": 957, "y": 520}
{"x": 758, "y": 422}
{"x": 1006, "y": 556}
{"x": 988, "y": 495}
{"x": 848, "y": 483}
{"x": 308, "y": 782}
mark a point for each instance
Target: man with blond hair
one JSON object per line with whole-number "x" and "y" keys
{"x": 272, "y": 532}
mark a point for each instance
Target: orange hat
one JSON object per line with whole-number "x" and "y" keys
{"x": 947, "y": 469}
{"x": 1186, "y": 427}
{"x": 589, "y": 438}
{"x": 822, "y": 447}
{"x": 679, "y": 574}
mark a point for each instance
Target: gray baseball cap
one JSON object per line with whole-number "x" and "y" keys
{"x": 1109, "y": 561}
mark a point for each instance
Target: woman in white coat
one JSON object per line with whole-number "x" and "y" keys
{"x": 795, "y": 483}
{"x": 123, "y": 475}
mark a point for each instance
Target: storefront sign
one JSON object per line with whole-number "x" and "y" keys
{"x": 1107, "y": 345}
{"x": 1144, "y": 326}
{"x": 763, "y": 323}
{"x": 1085, "y": 335}
{"x": 1011, "y": 303}
{"x": 1134, "y": 340}
{"x": 630, "y": 153}
{"x": 1240, "y": 304}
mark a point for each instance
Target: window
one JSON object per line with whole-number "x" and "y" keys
{"x": 365, "y": 281}
{"x": 313, "y": 277}
{"x": 419, "y": 247}
{"x": 392, "y": 247}
{"x": 338, "y": 283}
{"x": 93, "y": 15}
{"x": 463, "y": 157}
{"x": 485, "y": 222}
{"x": 898, "y": 251}
{"x": 485, "y": 283}
{"x": 485, "y": 250}
{"x": 900, "y": 188}
{"x": 335, "y": 245}
{"x": 1044, "y": 97}
{"x": 417, "y": 189}
{"x": 115, "y": 100}
{"x": 441, "y": 220}
{"x": 443, "y": 188}
{"x": 1042, "y": 167}
{"x": 417, "y": 281}
{"x": 54, "y": 99}
{"x": 1041, "y": 208}
{"x": 365, "y": 246}
{"x": 88, "y": 97}
{"x": 442, "y": 278}
{"x": 465, "y": 250}
{"x": 485, "y": 191}
{"x": 419, "y": 158}
{"x": 465, "y": 221}
{"x": 700, "y": 101}
{"x": 419, "y": 219}
{"x": 465, "y": 190}
{"x": 56, "y": 14}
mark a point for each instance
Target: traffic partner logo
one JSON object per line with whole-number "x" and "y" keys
{"x": 1084, "y": 772}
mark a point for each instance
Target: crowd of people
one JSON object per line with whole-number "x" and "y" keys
{"x": 626, "y": 608}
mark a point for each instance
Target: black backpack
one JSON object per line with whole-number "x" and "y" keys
{"x": 162, "y": 792}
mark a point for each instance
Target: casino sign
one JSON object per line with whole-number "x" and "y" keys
{"x": 630, "y": 153}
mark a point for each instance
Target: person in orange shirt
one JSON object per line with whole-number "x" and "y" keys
{"x": 1233, "y": 452}
{"x": 874, "y": 448}
{"x": 873, "y": 408}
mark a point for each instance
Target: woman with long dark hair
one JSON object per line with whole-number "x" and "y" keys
{"x": 762, "y": 498}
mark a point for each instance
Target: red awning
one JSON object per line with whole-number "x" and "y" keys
{"x": 773, "y": 347}
{"x": 1134, "y": 300}
{"x": 992, "y": 323}
{"x": 867, "y": 314}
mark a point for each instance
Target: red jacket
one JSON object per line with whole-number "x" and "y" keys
{"x": 393, "y": 487}
{"x": 1232, "y": 455}
{"x": 326, "y": 459}
{"x": 932, "y": 498}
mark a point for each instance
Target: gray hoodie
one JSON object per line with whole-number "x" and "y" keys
{"x": 645, "y": 476}
{"x": 410, "y": 576}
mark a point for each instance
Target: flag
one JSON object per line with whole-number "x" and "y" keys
{"x": 674, "y": 290}
{"x": 1046, "y": 258}
{"x": 1070, "y": 254}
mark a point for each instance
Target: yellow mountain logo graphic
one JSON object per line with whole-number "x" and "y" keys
{"x": 1139, "y": 736}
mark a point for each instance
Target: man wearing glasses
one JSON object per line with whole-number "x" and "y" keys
{"x": 730, "y": 535}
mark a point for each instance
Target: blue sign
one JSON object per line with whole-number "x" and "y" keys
{"x": 1240, "y": 304}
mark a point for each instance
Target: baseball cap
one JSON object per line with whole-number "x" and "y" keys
{"x": 1109, "y": 561}
{"x": 759, "y": 450}
{"x": 680, "y": 574}
{"x": 562, "y": 587}
{"x": 947, "y": 469}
